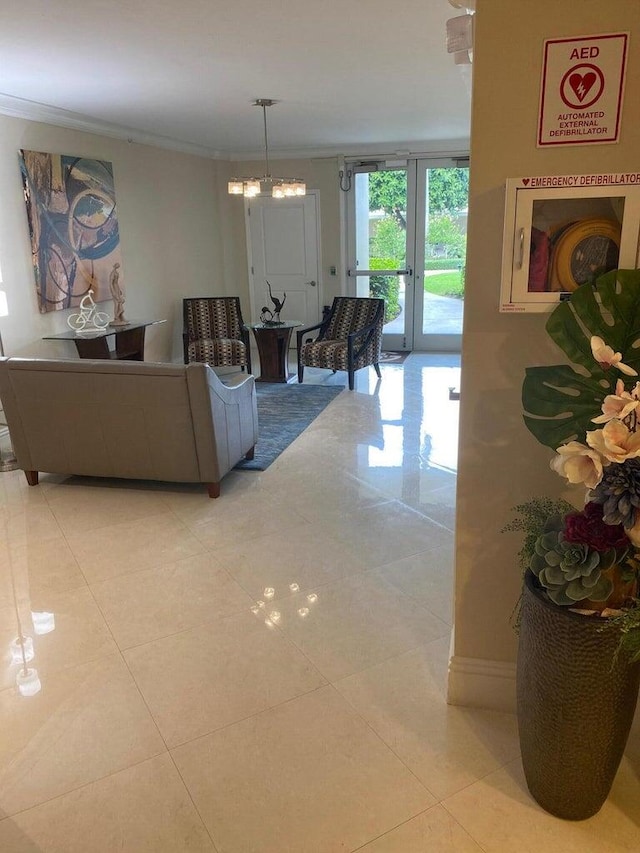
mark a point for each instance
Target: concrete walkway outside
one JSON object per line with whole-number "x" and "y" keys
{"x": 442, "y": 315}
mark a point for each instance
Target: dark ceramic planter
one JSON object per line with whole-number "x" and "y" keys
{"x": 576, "y": 702}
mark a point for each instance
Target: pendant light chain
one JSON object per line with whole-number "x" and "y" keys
{"x": 266, "y": 140}
{"x": 280, "y": 187}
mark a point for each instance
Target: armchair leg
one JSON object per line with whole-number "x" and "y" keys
{"x": 376, "y": 367}
{"x": 300, "y": 371}
{"x": 352, "y": 375}
{"x": 32, "y": 477}
{"x": 214, "y": 490}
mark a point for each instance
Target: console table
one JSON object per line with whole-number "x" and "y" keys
{"x": 273, "y": 348}
{"x": 129, "y": 341}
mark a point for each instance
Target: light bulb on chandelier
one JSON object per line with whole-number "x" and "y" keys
{"x": 280, "y": 187}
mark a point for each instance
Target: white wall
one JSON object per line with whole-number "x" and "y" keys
{"x": 170, "y": 234}
{"x": 500, "y": 463}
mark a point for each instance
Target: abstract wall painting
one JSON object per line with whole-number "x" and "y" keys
{"x": 71, "y": 207}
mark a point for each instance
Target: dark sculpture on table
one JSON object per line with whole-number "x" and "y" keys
{"x": 272, "y": 318}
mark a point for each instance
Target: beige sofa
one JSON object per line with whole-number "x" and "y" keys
{"x": 129, "y": 419}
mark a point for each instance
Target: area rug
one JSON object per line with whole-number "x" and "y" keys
{"x": 389, "y": 357}
{"x": 284, "y": 411}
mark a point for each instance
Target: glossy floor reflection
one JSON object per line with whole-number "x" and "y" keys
{"x": 267, "y": 671}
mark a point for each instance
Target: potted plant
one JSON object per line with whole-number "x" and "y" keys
{"x": 579, "y": 617}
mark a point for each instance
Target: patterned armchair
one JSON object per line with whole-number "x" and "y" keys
{"x": 213, "y": 332}
{"x": 350, "y": 338}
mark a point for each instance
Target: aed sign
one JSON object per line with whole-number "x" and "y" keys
{"x": 581, "y": 90}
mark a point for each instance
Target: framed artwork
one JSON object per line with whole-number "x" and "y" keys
{"x": 75, "y": 242}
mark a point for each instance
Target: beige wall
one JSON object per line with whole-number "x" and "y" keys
{"x": 181, "y": 234}
{"x": 500, "y": 463}
{"x": 170, "y": 232}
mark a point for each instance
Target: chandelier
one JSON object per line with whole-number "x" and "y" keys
{"x": 280, "y": 187}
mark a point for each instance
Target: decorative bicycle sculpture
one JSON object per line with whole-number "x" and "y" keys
{"x": 89, "y": 319}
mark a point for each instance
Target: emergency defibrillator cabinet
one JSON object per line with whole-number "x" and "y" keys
{"x": 562, "y": 231}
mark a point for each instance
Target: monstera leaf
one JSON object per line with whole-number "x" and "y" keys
{"x": 559, "y": 402}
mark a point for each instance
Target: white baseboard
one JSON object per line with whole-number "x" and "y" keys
{"x": 481, "y": 683}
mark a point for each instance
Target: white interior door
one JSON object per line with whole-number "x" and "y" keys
{"x": 284, "y": 251}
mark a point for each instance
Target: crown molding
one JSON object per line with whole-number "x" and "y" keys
{"x": 34, "y": 111}
{"x": 445, "y": 148}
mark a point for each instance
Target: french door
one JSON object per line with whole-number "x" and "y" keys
{"x": 406, "y": 242}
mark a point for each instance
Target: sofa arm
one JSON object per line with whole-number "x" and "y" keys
{"x": 234, "y": 409}
{"x": 225, "y": 419}
{"x": 238, "y": 383}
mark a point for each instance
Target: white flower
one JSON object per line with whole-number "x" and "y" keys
{"x": 615, "y": 441}
{"x": 618, "y": 405}
{"x": 578, "y": 463}
{"x": 606, "y": 357}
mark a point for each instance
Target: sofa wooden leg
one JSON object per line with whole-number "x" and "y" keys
{"x": 300, "y": 371}
{"x": 250, "y": 453}
{"x": 352, "y": 375}
{"x": 32, "y": 477}
{"x": 376, "y": 367}
{"x": 214, "y": 490}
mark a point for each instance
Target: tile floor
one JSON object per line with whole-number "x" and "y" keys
{"x": 264, "y": 672}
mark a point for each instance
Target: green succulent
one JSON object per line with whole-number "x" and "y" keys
{"x": 568, "y": 571}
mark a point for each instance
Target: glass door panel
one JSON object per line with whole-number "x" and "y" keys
{"x": 441, "y": 220}
{"x": 382, "y": 232}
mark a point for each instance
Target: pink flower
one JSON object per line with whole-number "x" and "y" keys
{"x": 578, "y": 463}
{"x": 607, "y": 358}
{"x": 618, "y": 405}
{"x": 615, "y": 442}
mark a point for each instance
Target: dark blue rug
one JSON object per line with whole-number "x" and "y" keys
{"x": 284, "y": 411}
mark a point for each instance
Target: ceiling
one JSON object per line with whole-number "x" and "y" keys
{"x": 350, "y": 75}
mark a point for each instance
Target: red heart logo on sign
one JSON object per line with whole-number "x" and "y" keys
{"x": 525, "y": 181}
{"x": 581, "y": 84}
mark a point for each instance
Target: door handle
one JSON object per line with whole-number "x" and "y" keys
{"x": 407, "y": 271}
{"x": 519, "y": 249}
{"x": 311, "y": 283}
